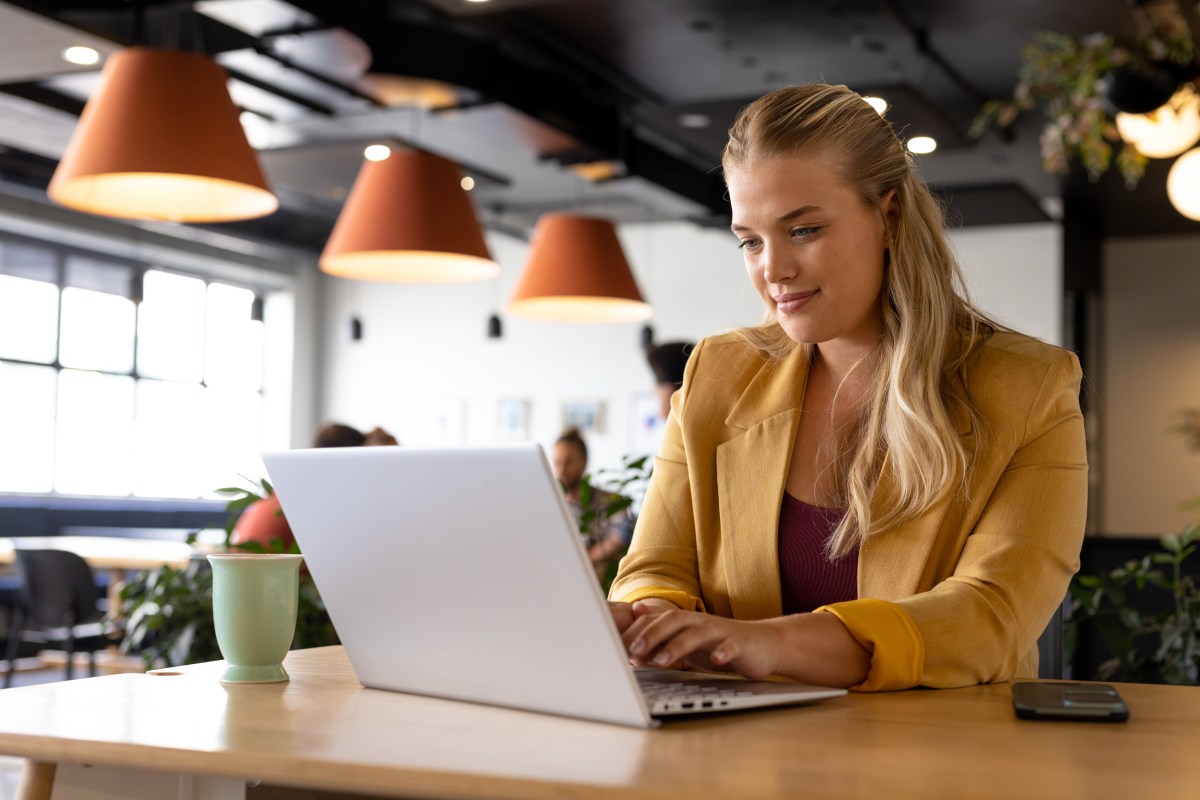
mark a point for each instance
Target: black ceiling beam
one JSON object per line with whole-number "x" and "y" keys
{"x": 325, "y": 80}
{"x": 43, "y": 95}
{"x": 291, "y": 97}
{"x": 556, "y": 94}
{"x": 920, "y": 36}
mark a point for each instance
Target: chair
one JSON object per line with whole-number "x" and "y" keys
{"x": 57, "y": 604}
{"x": 1050, "y": 645}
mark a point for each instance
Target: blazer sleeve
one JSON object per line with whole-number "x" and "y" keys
{"x": 977, "y": 625}
{"x": 662, "y": 558}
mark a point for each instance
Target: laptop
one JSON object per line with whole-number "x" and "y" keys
{"x": 459, "y": 573}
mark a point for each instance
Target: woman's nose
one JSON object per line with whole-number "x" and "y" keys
{"x": 778, "y": 266}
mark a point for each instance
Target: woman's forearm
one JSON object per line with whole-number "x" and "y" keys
{"x": 818, "y": 649}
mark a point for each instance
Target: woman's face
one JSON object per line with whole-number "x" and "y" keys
{"x": 813, "y": 248}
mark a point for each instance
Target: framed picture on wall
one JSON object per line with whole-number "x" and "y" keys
{"x": 512, "y": 420}
{"x": 646, "y": 427}
{"x": 587, "y": 415}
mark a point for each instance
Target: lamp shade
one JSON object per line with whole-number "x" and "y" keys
{"x": 577, "y": 272}
{"x": 1183, "y": 184}
{"x": 408, "y": 220}
{"x": 161, "y": 140}
{"x": 1166, "y": 131}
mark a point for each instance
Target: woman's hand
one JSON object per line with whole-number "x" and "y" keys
{"x": 623, "y": 612}
{"x": 813, "y": 648}
{"x": 664, "y": 637}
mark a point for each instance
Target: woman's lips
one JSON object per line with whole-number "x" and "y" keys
{"x": 793, "y": 301}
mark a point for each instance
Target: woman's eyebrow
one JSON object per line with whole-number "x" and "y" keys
{"x": 799, "y": 212}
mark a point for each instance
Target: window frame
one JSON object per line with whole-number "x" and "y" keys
{"x": 62, "y": 253}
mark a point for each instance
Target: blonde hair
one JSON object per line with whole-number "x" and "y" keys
{"x": 930, "y": 325}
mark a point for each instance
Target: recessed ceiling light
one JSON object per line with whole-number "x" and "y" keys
{"x": 922, "y": 145}
{"x": 377, "y": 152}
{"x": 695, "y": 120}
{"x": 84, "y": 56}
{"x": 877, "y": 103}
{"x": 596, "y": 171}
{"x": 477, "y": 1}
{"x": 468, "y": 183}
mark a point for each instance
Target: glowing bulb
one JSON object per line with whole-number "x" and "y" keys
{"x": 84, "y": 56}
{"x": 467, "y": 183}
{"x": 1183, "y": 184}
{"x": 922, "y": 145}
{"x": 1166, "y": 131}
{"x": 377, "y": 152}
{"x": 878, "y": 103}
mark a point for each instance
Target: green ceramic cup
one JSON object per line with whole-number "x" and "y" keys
{"x": 254, "y": 612}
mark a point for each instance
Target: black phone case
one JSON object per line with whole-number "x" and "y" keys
{"x": 1078, "y": 702}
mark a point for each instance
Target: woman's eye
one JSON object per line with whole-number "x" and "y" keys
{"x": 748, "y": 244}
{"x": 803, "y": 233}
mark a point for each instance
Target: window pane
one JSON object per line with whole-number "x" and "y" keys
{"x": 171, "y": 328}
{"x": 95, "y": 432}
{"x": 233, "y": 437}
{"x": 26, "y": 428}
{"x": 28, "y": 319}
{"x": 97, "y": 330}
{"x": 99, "y": 276}
{"x": 235, "y": 343}
{"x": 168, "y": 442}
{"x": 28, "y": 261}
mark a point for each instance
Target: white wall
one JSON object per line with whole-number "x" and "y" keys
{"x": 425, "y": 370}
{"x": 1151, "y": 352}
{"x": 1015, "y": 274}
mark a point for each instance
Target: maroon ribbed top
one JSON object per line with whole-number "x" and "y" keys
{"x": 806, "y": 575}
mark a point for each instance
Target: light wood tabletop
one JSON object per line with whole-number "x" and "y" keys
{"x": 322, "y": 730}
{"x": 114, "y": 553}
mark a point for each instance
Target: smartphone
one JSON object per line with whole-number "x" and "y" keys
{"x": 1069, "y": 701}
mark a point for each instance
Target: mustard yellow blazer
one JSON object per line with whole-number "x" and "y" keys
{"x": 955, "y": 597}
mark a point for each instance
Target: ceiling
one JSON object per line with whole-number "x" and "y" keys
{"x": 647, "y": 87}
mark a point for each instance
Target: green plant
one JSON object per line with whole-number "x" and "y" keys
{"x": 620, "y": 489}
{"x": 1149, "y": 647}
{"x": 168, "y": 611}
{"x": 1068, "y": 77}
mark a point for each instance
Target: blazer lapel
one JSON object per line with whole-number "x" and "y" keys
{"x": 751, "y": 473}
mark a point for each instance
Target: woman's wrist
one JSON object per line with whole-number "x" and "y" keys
{"x": 818, "y": 649}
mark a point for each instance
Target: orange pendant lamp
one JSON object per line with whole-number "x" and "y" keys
{"x": 161, "y": 140}
{"x": 577, "y": 272}
{"x": 408, "y": 220}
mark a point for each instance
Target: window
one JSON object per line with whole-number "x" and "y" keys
{"x": 119, "y": 380}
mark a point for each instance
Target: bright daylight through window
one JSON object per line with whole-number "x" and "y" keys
{"x": 119, "y": 380}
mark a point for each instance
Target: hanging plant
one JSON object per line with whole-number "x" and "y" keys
{"x": 1075, "y": 81}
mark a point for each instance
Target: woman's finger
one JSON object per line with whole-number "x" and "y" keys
{"x": 698, "y": 636}
{"x": 622, "y": 614}
{"x": 647, "y": 633}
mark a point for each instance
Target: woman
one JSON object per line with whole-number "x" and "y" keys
{"x": 877, "y": 488}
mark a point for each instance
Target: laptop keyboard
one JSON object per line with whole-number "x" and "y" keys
{"x": 682, "y": 696}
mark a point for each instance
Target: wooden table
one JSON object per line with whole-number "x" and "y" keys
{"x": 113, "y": 554}
{"x": 324, "y": 731}
{"x": 105, "y": 552}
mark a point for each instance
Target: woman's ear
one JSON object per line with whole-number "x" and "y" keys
{"x": 889, "y": 207}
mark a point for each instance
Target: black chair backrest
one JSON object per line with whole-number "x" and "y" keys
{"x": 58, "y": 589}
